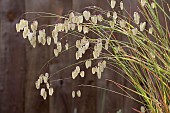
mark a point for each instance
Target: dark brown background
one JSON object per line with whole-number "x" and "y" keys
{"x": 20, "y": 64}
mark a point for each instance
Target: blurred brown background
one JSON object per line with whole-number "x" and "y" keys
{"x": 20, "y": 64}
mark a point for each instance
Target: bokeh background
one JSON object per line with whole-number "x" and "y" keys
{"x": 20, "y": 65}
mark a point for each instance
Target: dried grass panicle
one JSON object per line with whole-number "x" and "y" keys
{"x": 146, "y": 48}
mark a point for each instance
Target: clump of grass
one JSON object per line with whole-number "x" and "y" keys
{"x": 144, "y": 57}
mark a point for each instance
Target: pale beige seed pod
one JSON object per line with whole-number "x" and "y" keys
{"x": 99, "y": 46}
{"x": 59, "y": 46}
{"x": 47, "y": 75}
{"x": 94, "y": 54}
{"x": 88, "y": 63}
{"x": 78, "y": 44}
{"x": 82, "y": 74}
{"x": 106, "y": 46}
{"x": 34, "y": 26}
{"x": 113, "y": 4}
{"x": 79, "y": 93}
{"x": 104, "y": 64}
{"x": 77, "y": 55}
{"x": 85, "y": 30}
{"x": 80, "y": 28}
{"x": 23, "y": 23}
{"x": 37, "y": 84}
{"x": 30, "y": 36}
{"x": 42, "y": 32}
{"x": 73, "y": 94}
{"x": 26, "y": 32}
{"x": 39, "y": 38}
{"x": 18, "y": 27}
{"x": 134, "y": 31}
{"x": 74, "y": 74}
{"x": 39, "y": 81}
{"x": 77, "y": 69}
{"x": 63, "y": 27}
{"x": 108, "y": 14}
{"x": 60, "y": 26}
{"x": 99, "y": 63}
{"x": 66, "y": 46}
{"x": 71, "y": 15}
{"x": 84, "y": 40}
{"x": 80, "y": 54}
{"x": 142, "y": 109}
{"x": 83, "y": 50}
{"x": 55, "y": 40}
{"x": 99, "y": 18}
{"x": 99, "y": 74}
{"x": 73, "y": 26}
{"x": 80, "y": 19}
{"x": 136, "y": 17}
{"x": 75, "y": 19}
{"x": 43, "y": 93}
{"x": 98, "y": 53}
{"x": 43, "y": 41}
{"x": 150, "y": 30}
{"x": 86, "y": 15}
{"x": 143, "y": 3}
{"x": 121, "y": 5}
{"x": 101, "y": 68}
{"x": 56, "y": 52}
{"x": 112, "y": 24}
{"x": 41, "y": 78}
{"x": 54, "y": 33}
{"x": 122, "y": 23}
{"x": 47, "y": 85}
{"x": 45, "y": 96}
{"x": 94, "y": 70}
{"x": 142, "y": 26}
{"x": 48, "y": 40}
{"x": 32, "y": 39}
{"x": 114, "y": 15}
{"x": 94, "y": 19}
{"x": 87, "y": 45}
{"x": 26, "y": 23}
{"x": 51, "y": 91}
{"x": 56, "y": 28}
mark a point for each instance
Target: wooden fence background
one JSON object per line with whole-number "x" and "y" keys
{"x": 20, "y": 63}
